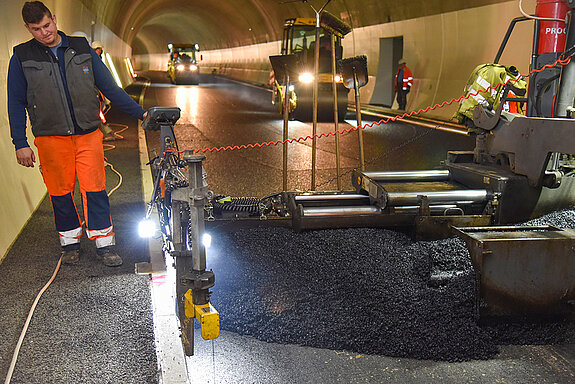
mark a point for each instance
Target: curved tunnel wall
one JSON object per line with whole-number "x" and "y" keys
{"x": 22, "y": 189}
{"x": 441, "y": 50}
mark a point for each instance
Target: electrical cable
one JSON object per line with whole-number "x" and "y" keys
{"x": 119, "y": 176}
{"x": 115, "y": 135}
{"x": 56, "y": 270}
{"x": 27, "y": 323}
{"x": 537, "y": 17}
{"x": 110, "y": 147}
{"x": 124, "y": 127}
{"x": 560, "y": 60}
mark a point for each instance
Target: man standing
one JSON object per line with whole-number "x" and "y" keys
{"x": 403, "y": 83}
{"x": 55, "y": 77}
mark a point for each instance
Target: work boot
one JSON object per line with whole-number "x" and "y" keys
{"x": 70, "y": 256}
{"x": 109, "y": 257}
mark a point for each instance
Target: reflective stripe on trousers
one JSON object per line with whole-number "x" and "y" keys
{"x": 62, "y": 160}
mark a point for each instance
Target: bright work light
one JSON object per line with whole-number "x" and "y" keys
{"x": 306, "y": 77}
{"x": 146, "y": 228}
{"x": 207, "y": 240}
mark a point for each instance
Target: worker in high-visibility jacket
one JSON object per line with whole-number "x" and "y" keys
{"x": 403, "y": 83}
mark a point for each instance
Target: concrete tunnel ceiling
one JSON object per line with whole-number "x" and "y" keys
{"x": 149, "y": 25}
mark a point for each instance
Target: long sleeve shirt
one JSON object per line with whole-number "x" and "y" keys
{"x": 17, "y": 87}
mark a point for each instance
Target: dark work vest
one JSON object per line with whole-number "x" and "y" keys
{"x": 47, "y": 104}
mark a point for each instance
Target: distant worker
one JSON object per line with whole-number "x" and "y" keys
{"x": 272, "y": 79}
{"x": 98, "y": 47}
{"x": 53, "y": 77}
{"x": 403, "y": 83}
{"x": 324, "y": 54}
{"x": 109, "y": 134}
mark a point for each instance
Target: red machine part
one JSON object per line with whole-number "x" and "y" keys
{"x": 551, "y": 33}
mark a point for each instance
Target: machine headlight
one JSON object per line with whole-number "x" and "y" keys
{"x": 207, "y": 240}
{"x": 338, "y": 79}
{"x": 180, "y": 67}
{"x": 146, "y": 228}
{"x": 193, "y": 67}
{"x": 306, "y": 77}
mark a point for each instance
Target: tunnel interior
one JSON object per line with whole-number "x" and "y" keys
{"x": 149, "y": 25}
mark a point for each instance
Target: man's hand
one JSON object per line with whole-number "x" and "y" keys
{"x": 26, "y": 157}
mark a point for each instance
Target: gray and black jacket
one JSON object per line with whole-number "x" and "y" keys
{"x": 60, "y": 93}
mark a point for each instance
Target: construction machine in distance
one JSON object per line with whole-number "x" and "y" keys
{"x": 298, "y": 40}
{"x": 183, "y": 64}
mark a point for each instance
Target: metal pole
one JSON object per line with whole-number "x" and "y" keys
{"x": 358, "y": 118}
{"x": 335, "y": 111}
{"x": 197, "y": 202}
{"x": 507, "y": 35}
{"x": 315, "y": 91}
{"x": 315, "y": 102}
{"x": 285, "y": 130}
{"x": 566, "y": 93}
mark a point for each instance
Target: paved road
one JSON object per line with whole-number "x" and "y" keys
{"x": 220, "y": 113}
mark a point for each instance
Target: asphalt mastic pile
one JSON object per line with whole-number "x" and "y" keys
{"x": 365, "y": 290}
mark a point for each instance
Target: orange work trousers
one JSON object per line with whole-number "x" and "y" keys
{"x": 62, "y": 160}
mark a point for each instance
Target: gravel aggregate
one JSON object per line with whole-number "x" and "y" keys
{"x": 564, "y": 218}
{"x": 366, "y": 290}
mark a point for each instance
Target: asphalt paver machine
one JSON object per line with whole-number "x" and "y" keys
{"x": 522, "y": 167}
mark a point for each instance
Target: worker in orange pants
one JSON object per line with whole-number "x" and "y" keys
{"x": 62, "y": 159}
{"x": 54, "y": 79}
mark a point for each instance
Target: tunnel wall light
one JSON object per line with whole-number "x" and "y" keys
{"x": 130, "y": 67}
{"x": 113, "y": 69}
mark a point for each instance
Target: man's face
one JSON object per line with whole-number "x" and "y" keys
{"x": 46, "y": 31}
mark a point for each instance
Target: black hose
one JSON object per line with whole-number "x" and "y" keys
{"x": 544, "y": 88}
{"x": 249, "y": 205}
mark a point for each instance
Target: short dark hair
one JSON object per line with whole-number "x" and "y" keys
{"x": 33, "y": 12}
